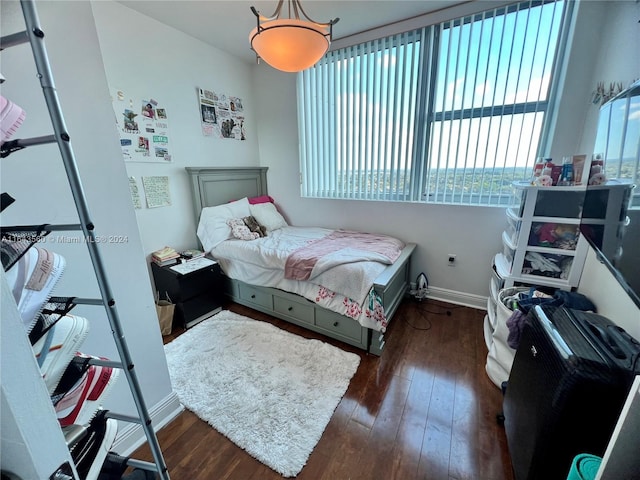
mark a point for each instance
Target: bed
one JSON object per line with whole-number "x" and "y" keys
{"x": 358, "y": 316}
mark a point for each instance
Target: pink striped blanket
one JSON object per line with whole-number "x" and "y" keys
{"x": 340, "y": 246}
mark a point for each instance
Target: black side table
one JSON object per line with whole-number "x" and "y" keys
{"x": 197, "y": 293}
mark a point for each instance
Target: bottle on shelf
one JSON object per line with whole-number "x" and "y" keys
{"x": 545, "y": 179}
{"x": 596, "y": 174}
{"x": 566, "y": 177}
{"x": 538, "y": 167}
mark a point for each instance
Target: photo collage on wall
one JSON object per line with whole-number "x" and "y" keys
{"x": 222, "y": 116}
{"x": 143, "y": 126}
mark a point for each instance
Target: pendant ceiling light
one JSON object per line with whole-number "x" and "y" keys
{"x": 290, "y": 44}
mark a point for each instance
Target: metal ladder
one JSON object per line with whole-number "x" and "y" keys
{"x": 35, "y": 37}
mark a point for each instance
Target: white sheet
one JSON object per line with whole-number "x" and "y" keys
{"x": 344, "y": 289}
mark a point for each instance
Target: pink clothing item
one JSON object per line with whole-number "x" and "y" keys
{"x": 300, "y": 263}
{"x": 261, "y": 199}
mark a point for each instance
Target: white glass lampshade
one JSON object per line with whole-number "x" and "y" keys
{"x": 290, "y": 45}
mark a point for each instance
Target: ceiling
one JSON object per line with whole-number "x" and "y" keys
{"x": 226, "y": 24}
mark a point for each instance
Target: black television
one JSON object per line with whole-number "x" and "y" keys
{"x": 618, "y": 143}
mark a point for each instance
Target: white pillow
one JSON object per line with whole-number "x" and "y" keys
{"x": 266, "y": 214}
{"x": 213, "y": 228}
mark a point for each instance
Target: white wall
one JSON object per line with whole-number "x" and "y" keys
{"x": 36, "y": 178}
{"x": 612, "y": 64}
{"x": 145, "y": 58}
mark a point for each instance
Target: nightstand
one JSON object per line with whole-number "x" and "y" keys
{"x": 197, "y": 292}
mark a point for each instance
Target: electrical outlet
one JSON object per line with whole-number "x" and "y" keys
{"x": 452, "y": 259}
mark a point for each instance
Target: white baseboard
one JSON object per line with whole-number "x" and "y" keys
{"x": 131, "y": 435}
{"x": 458, "y": 298}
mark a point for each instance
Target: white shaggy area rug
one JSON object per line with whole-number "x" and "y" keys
{"x": 267, "y": 390}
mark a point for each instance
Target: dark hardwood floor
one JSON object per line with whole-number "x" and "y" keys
{"x": 425, "y": 409}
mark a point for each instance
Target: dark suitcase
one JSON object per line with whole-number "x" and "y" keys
{"x": 570, "y": 377}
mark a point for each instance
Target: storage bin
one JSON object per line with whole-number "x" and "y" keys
{"x": 554, "y": 235}
{"x": 559, "y": 202}
{"x": 518, "y": 198}
{"x": 549, "y": 201}
{"x": 492, "y": 312}
{"x": 497, "y": 282}
{"x": 547, "y": 265}
{"x": 500, "y": 356}
{"x": 508, "y": 249}
{"x": 514, "y": 224}
{"x": 505, "y": 306}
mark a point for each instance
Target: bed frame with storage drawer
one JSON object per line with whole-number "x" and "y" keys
{"x": 213, "y": 186}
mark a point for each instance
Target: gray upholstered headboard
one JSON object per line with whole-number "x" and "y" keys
{"x": 212, "y": 186}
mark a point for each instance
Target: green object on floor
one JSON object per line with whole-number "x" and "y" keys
{"x": 584, "y": 467}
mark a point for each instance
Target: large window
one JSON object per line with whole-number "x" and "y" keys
{"x": 450, "y": 113}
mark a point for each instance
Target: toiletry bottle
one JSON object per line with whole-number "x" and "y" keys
{"x": 566, "y": 177}
{"x": 538, "y": 167}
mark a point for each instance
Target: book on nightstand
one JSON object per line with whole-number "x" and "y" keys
{"x": 165, "y": 256}
{"x": 166, "y": 263}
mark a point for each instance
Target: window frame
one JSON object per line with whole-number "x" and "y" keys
{"x": 426, "y": 116}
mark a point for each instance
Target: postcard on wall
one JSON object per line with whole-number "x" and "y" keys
{"x": 143, "y": 126}
{"x": 156, "y": 191}
{"x": 221, "y": 116}
{"x": 135, "y": 193}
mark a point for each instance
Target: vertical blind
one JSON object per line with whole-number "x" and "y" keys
{"x": 356, "y": 111}
{"x": 449, "y": 113}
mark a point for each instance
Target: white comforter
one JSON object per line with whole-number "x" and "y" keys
{"x": 345, "y": 288}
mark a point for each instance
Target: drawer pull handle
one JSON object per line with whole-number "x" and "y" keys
{"x": 290, "y": 308}
{"x": 335, "y": 324}
{"x": 253, "y": 296}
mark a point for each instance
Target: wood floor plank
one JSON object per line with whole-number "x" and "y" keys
{"x": 425, "y": 409}
{"x": 436, "y": 445}
{"x": 385, "y": 431}
{"x": 463, "y": 462}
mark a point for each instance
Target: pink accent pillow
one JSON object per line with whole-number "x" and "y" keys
{"x": 261, "y": 199}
